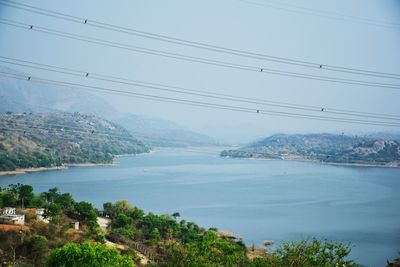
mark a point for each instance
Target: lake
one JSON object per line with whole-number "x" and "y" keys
{"x": 256, "y": 199}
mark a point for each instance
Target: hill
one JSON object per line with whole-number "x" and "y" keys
{"x": 18, "y": 96}
{"x": 52, "y": 139}
{"x": 330, "y": 148}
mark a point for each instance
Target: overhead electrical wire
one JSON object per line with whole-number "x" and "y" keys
{"x": 195, "y": 44}
{"x": 66, "y": 133}
{"x": 139, "y": 136}
{"x": 195, "y": 59}
{"x": 197, "y": 103}
{"x": 202, "y": 93}
{"x": 66, "y": 129}
{"x": 323, "y": 13}
{"x": 90, "y": 131}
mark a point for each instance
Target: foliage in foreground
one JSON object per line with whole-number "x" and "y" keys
{"x": 88, "y": 255}
{"x": 308, "y": 253}
{"x": 171, "y": 243}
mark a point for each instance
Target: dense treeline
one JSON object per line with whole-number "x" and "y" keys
{"x": 36, "y": 159}
{"x": 167, "y": 241}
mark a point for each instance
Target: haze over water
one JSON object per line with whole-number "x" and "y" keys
{"x": 257, "y": 200}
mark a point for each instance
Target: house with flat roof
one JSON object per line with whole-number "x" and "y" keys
{"x": 9, "y": 216}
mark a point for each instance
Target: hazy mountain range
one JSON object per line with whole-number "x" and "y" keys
{"x": 18, "y": 96}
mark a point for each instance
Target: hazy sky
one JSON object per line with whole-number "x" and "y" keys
{"x": 253, "y": 25}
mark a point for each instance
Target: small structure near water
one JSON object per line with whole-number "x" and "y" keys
{"x": 9, "y": 216}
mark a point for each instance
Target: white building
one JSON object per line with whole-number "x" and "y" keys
{"x": 10, "y": 217}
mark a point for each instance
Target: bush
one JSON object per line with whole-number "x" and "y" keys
{"x": 88, "y": 255}
{"x": 313, "y": 253}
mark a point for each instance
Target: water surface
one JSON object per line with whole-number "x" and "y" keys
{"x": 257, "y": 200}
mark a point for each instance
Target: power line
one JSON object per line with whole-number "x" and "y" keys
{"x": 200, "y": 45}
{"x": 199, "y": 103}
{"x": 65, "y": 132}
{"x": 130, "y": 136}
{"x": 91, "y": 130}
{"x": 134, "y": 134}
{"x": 323, "y": 13}
{"x": 196, "y": 59}
{"x": 202, "y": 93}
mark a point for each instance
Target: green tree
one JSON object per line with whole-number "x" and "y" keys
{"x": 26, "y": 195}
{"x": 65, "y": 201}
{"x": 88, "y": 255}
{"x": 86, "y": 211}
{"x": 122, "y": 220}
{"x": 210, "y": 250}
{"x": 53, "y": 211}
{"x": 9, "y": 199}
{"x": 38, "y": 201}
{"x": 87, "y": 215}
{"x": 155, "y": 234}
{"x": 314, "y": 253}
{"x": 38, "y": 248}
{"x": 51, "y": 194}
{"x": 108, "y": 208}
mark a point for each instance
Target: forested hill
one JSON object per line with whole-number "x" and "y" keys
{"x": 52, "y": 139}
{"x": 323, "y": 147}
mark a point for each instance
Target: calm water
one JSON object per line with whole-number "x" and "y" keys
{"x": 257, "y": 200}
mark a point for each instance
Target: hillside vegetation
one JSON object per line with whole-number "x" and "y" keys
{"x": 18, "y": 96}
{"x": 166, "y": 241}
{"x": 52, "y": 139}
{"x": 323, "y": 147}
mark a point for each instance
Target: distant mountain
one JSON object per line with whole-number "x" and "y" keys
{"x": 323, "y": 147}
{"x": 162, "y": 133}
{"x": 53, "y": 139}
{"x": 18, "y": 96}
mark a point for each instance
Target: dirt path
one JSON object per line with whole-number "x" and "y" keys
{"x": 104, "y": 223}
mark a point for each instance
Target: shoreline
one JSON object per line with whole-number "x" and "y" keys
{"x": 88, "y": 164}
{"x": 66, "y": 166}
{"x": 58, "y": 168}
{"x": 343, "y": 164}
{"x": 29, "y": 170}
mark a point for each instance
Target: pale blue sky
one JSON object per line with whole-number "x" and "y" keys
{"x": 251, "y": 25}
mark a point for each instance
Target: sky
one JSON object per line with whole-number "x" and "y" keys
{"x": 279, "y": 28}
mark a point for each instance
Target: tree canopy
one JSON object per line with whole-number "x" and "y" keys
{"x": 88, "y": 255}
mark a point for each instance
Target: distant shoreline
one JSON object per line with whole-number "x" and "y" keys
{"x": 88, "y": 164}
{"x": 58, "y": 168}
{"x": 345, "y": 164}
{"x": 29, "y": 170}
{"x": 66, "y": 166}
